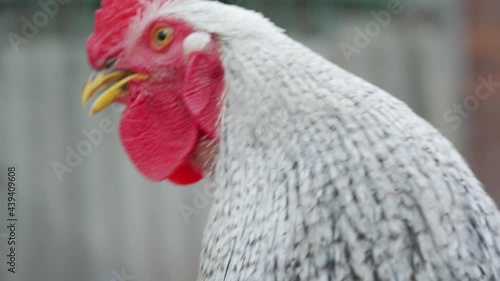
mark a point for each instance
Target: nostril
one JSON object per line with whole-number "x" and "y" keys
{"x": 110, "y": 62}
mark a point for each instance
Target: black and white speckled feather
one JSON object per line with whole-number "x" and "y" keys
{"x": 322, "y": 176}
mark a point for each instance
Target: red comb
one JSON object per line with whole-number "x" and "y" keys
{"x": 111, "y": 23}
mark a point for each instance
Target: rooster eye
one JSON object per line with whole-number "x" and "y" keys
{"x": 161, "y": 37}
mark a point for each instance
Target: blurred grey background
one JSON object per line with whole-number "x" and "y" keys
{"x": 102, "y": 221}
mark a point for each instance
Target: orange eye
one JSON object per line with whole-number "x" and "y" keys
{"x": 161, "y": 36}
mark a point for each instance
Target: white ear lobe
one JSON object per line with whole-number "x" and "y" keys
{"x": 196, "y": 41}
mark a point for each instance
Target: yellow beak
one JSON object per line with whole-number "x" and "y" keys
{"x": 116, "y": 81}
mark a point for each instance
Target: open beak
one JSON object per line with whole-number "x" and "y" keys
{"x": 116, "y": 81}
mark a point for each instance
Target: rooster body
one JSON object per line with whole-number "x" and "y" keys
{"x": 321, "y": 176}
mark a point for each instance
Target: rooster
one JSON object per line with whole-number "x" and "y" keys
{"x": 318, "y": 174}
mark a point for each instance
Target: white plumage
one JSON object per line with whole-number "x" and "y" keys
{"x": 322, "y": 176}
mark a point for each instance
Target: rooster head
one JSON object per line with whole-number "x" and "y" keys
{"x": 169, "y": 75}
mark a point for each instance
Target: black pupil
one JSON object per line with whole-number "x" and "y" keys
{"x": 162, "y": 35}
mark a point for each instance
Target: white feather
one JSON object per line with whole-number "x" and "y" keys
{"x": 195, "y": 42}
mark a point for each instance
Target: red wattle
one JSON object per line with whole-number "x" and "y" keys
{"x": 159, "y": 134}
{"x": 186, "y": 174}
